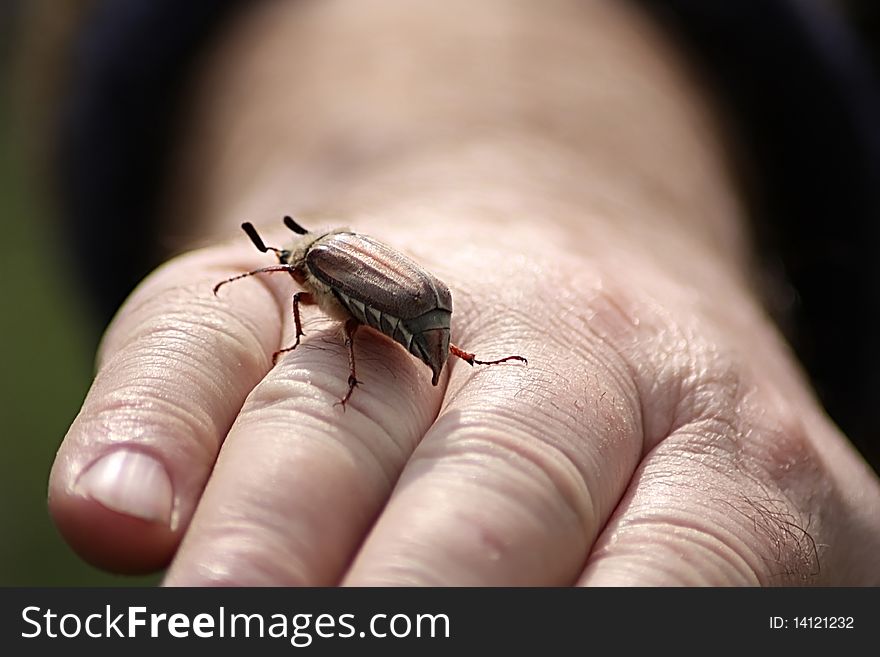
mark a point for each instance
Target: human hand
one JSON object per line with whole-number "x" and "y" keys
{"x": 566, "y": 178}
{"x": 659, "y": 435}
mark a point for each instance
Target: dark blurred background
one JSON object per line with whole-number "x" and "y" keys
{"x": 48, "y": 336}
{"x": 48, "y": 341}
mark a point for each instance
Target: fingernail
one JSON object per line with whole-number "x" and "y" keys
{"x": 132, "y": 483}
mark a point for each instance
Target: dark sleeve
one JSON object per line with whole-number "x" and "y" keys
{"x": 801, "y": 103}
{"x": 803, "y": 106}
{"x": 130, "y": 61}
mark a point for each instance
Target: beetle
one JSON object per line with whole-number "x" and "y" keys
{"x": 363, "y": 282}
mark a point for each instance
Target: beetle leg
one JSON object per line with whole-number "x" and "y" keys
{"x": 298, "y": 298}
{"x": 471, "y": 360}
{"x": 351, "y": 327}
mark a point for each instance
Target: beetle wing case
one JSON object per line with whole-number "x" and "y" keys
{"x": 384, "y": 289}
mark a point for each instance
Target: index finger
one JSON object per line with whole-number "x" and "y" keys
{"x": 174, "y": 369}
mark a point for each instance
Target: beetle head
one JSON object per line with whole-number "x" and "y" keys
{"x": 285, "y": 256}
{"x": 433, "y": 348}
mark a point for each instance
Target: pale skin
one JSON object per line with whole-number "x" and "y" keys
{"x": 558, "y": 167}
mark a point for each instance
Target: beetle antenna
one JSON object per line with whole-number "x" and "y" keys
{"x": 261, "y": 270}
{"x": 295, "y": 227}
{"x": 248, "y": 228}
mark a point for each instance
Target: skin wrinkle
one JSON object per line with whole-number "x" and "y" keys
{"x": 599, "y": 443}
{"x": 160, "y": 352}
{"x": 658, "y": 562}
{"x": 125, "y": 426}
{"x": 154, "y": 351}
{"x": 250, "y": 523}
{"x": 475, "y": 536}
{"x": 269, "y": 409}
{"x": 785, "y": 447}
{"x": 708, "y": 442}
{"x": 709, "y": 381}
{"x": 585, "y": 471}
{"x": 207, "y": 267}
{"x": 128, "y": 402}
{"x": 150, "y": 392}
{"x": 475, "y": 441}
{"x": 660, "y": 358}
{"x": 196, "y": 380}
{"x": 476, "y": 314}
{"x": 678, "y": 463}
{"x": 767, "y": 551}
{"x": 527, "y": 467}
{"x": 656, "y": 529}
{"x": 724, "y": 549}
{"x": 194, "y": 318}
{"x": 548, "y": 425}
{"x": 410, "y": 476}
{"x": 305, "y": 454}
{"x": 237, "y": 543}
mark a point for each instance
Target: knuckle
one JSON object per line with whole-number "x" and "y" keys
{"x": 133, "y": 400}
{"x": 177, "y": 297}
{"x": 722, "y": 423}
{"x": 241, "y": 552}
{"x": 548, "y": 480}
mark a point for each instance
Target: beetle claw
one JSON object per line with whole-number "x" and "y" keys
{"x": 352, "y": 384}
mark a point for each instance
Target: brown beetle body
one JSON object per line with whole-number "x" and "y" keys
{"x": 382, "y": 288}
{"x": 355, "y": 278}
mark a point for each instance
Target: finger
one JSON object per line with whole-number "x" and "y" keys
{"x": 300, "y": 479}
{"x": 739, "y": 496}
{"x": 523, "y": 465}
{"x": 174, "y": 369}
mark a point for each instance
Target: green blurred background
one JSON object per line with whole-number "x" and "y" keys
{"x": 48, "y": 347}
